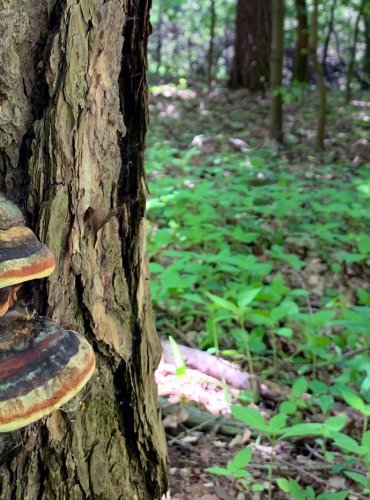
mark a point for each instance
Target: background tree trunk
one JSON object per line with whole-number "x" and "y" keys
{"x": 301, "y": 50}
{"x": 276, "y": 71}
{"x": 320, "y": 81}
{"x": 73, "y": 122}
{"x": 352, "y": 59}
{"x": 366, "y": 65}
{"x": 328, "y": 36}
{"x": 251, "y": 64}
{"x": 210, "y": 53}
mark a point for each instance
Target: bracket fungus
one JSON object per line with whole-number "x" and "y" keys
{"x": 10, "y": 215}
{"x": 8, "y": 297}
{"x": 23, "y": 257}
{"x": 42, "y": 365}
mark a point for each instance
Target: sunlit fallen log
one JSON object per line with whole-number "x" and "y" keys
{"x": 208, "y": 364}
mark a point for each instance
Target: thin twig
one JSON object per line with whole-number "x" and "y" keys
{"x": 187, "y": 446}
{"x": 180, "y": 334}
{"x": 196, "y": 427}
{"x": 303, "y": 471}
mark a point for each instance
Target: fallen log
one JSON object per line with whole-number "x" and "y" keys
{"x": 194, "y": 417}
{"x": 210, "y": 365}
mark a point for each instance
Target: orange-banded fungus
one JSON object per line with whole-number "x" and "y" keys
{"x": 8, "y": 297}
{"x": 42, "y": 367}
{"x": 23, "y": 257}
{"x": 10, "y": 215}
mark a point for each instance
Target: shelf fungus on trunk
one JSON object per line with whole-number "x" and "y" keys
{"x": 10, "y": 215}
{"x": 42, "y": 367}
{"x": 8, "y": 297}
{"x": 23, "y": 257}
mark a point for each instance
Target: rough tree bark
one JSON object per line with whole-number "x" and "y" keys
{"x": 301, "y": 49}
{"x": 251, "y": 64}
{"x": 276, "y": 71}
{"x": 73, "y": 116}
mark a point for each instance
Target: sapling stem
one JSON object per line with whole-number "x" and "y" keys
{"x": 249, "y": 359}
{"x": 215, "y": 338}
{"x": 364, "y": 425}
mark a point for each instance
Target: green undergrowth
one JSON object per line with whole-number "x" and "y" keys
{"x": 263, "y": 256}
{"x": 248, "y": 250}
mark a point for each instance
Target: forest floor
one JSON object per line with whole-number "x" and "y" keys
{"x": 261, "y": 255}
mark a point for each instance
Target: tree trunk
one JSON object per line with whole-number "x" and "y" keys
{"x": 301, "y": 51}
{"x": 73, "y": 109}
{"x": 321, "y": 118}
{"x": 159, "y": 29}
{"x": 328, "y": 36}
{"x": 352, "y": 59}
{"x": 210, "y": 54}
{"x": 366, "y": 66}
{"x": 251, "y": 64}
{"x": 277, "y": 55}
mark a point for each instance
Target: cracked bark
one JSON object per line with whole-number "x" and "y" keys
{"x": 251, "y": 63}
{"x": 73, "y": 116}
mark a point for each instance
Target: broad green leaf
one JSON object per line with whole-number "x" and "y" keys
{"x": 283, "y": 484}
{"x": 247, "y": 296}
{"x": 309, "y": 429}
{"x": 353, "y": 400}
{"x": 223, "y": 303}
{"x": 299, "y": 387}
{"x": 284, "y": 332}
{"x": 355, "y": 476}
{"x": 285, "y": 309}
{"x": 251, "y": 417}
{"x": 339, "y": 495}
{"x": 335, "y": 423}
{"x": 364, "y": 244}
{"x": 277, "y": 422}
{"x": 288, "y": 407}
{"x": 243, "y": 457}
{"x": 325, "y": 402}
{"x": 347, "y": 443}
{"x": 235, "y": 472}
{"x": 218, "y": 470}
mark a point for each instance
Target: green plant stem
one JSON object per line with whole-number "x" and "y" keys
{"x": 364, "y": 426}
{"x": 249, "y": 360}
{"x": 215, "y": 339}
{"x": 274, "y": 351}
{"x": 270, "y": 473}
{"x": 314, "y": 365}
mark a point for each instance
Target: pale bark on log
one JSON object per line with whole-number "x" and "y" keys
{"x": 73, "y": 117}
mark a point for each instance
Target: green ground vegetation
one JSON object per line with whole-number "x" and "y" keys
{"x": 262, "y": 255}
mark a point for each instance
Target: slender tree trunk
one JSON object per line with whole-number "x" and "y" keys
{"x": 352, "y": 59}
{"x": 277, "y": 56}
{"x": 159, "y": 39}
{"x": 301, "y": 51}
{"x": 328, "y": 36}
{"x": 366, "y": 82}
{"x": 251, "y": 64}
{"x": 73, "y": 123}
{"x": 210, "y": 54}
{"x": 321, "y": 118}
